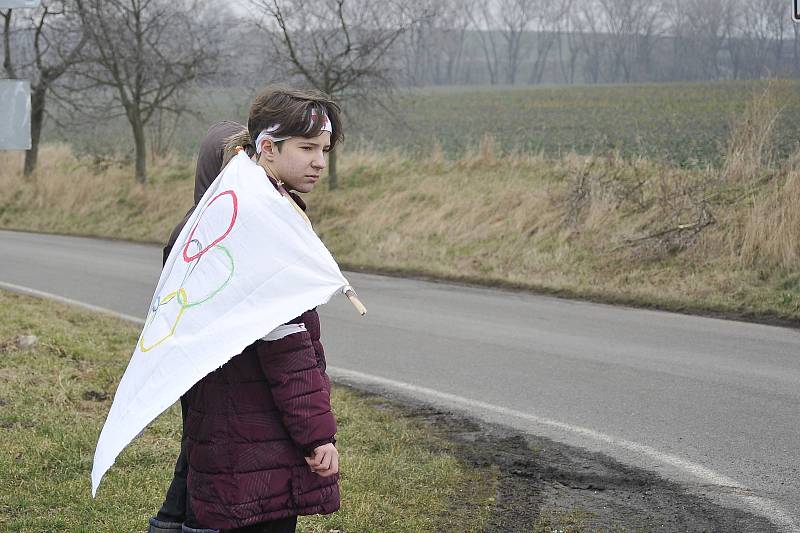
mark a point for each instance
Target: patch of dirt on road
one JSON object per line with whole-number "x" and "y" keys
{"x": 548, "y": 487}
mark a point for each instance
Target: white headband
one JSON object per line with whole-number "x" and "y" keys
{"x": 267, "y": 133}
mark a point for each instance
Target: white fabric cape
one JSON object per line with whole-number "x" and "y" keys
{"x": 245, "y": 262}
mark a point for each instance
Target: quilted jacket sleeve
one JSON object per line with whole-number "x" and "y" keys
{"x": 299, "y": 389}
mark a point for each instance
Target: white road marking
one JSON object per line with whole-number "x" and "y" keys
{"x": 765, "y": 507}
{"x": 41, "y": 294}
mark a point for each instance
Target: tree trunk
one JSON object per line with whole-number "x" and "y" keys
{"x": 141, "y": 150}
{"x": 37, "y": 118}
{"x": 796, "y": 51}
{"x": 333, "y": 178}
{"x": 511, "y": 72}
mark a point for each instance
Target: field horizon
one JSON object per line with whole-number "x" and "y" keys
{"x": 677, "y": 123}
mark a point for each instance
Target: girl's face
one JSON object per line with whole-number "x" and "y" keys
{"x": 299, "y": 162}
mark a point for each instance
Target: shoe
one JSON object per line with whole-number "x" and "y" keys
{"x": 187, "y": 529}
{"x": 159, "y": 526}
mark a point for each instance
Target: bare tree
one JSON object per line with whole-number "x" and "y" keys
{"x": 515, "y": 18}
{"x": 145, "y": 54}
{"x": 700, "y": 30}
{"x": 416, "y": 45}
{"x": 757, "y": 36}
{"x": 623, "y": 20}
{"x": 340, "y": 47}
{"x": 567, "y": 28}
{"x": 680, "y": 64}
{"x": 485, "y": 20}
{"x": 776, "y": 21}
{"x": 454, "y": 37}
{"x": 593, "y": 42}
{"x": 651, "y": 26}
{"x": 736, "y": 44}
{"x": 549, "y": 18}
{"x": 41, "y": 45}
{"x": 450, "y": 26}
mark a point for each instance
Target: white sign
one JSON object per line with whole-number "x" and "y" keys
{"x": 15, "y": 115}
{"x": 13, "y": 4}
{"x": 245, "y": 263}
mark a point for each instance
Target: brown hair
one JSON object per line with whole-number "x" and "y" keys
{"x": 292, "y": 109}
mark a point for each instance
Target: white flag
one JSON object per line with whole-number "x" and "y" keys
{"x": 245, "y": 262}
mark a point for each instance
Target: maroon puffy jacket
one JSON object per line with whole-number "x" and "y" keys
{"x": 249, "y": 425}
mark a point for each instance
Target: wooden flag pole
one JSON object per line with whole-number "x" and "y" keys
{"x": 353, "y": 297}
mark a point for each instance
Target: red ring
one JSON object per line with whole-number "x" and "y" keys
{"x": 230, "y": 227}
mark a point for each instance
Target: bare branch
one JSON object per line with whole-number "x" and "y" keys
{"x": 147, "y": 52}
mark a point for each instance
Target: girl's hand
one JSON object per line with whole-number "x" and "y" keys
{"x": 325, "y": 461}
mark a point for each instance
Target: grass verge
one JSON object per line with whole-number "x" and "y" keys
{"x": 397, "y": 474}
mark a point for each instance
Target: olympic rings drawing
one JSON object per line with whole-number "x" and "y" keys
{"x": 180, "y": 297}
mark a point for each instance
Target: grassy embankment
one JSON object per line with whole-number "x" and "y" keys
{"x": 605, "y": 226}
{"x": 397, "y": 474}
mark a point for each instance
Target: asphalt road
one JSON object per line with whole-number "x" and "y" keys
{"x": 711, "y": 403}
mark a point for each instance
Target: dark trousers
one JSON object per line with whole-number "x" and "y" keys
{"x": 176, "y": 507}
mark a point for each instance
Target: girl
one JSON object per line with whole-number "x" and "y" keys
{"x": 259, "y": 436}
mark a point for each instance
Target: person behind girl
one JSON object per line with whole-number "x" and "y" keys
{"x": 174, "y": 510}
{"x": 258, "y": 446}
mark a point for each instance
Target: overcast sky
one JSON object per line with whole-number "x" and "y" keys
{"x": 240, "y": 7}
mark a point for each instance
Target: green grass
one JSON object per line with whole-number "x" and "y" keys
{"x": 681, "y": 123}
{"x": 397, "y": 475}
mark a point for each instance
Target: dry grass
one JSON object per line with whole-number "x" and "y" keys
{"x": 600, "y": 226}
{"x": 768, "y": 236}
{"x": 93, "y": 196}
{"x": 561, "y": 225}
{"x": 771, "y": 229}
{"x": 748, "y": 156}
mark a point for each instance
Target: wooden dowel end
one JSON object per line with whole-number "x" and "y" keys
{"x": 351, "y": 295}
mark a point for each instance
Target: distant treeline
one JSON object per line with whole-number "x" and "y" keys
{"x": 600, "y": 41}
{"x": 530, "y": 42}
